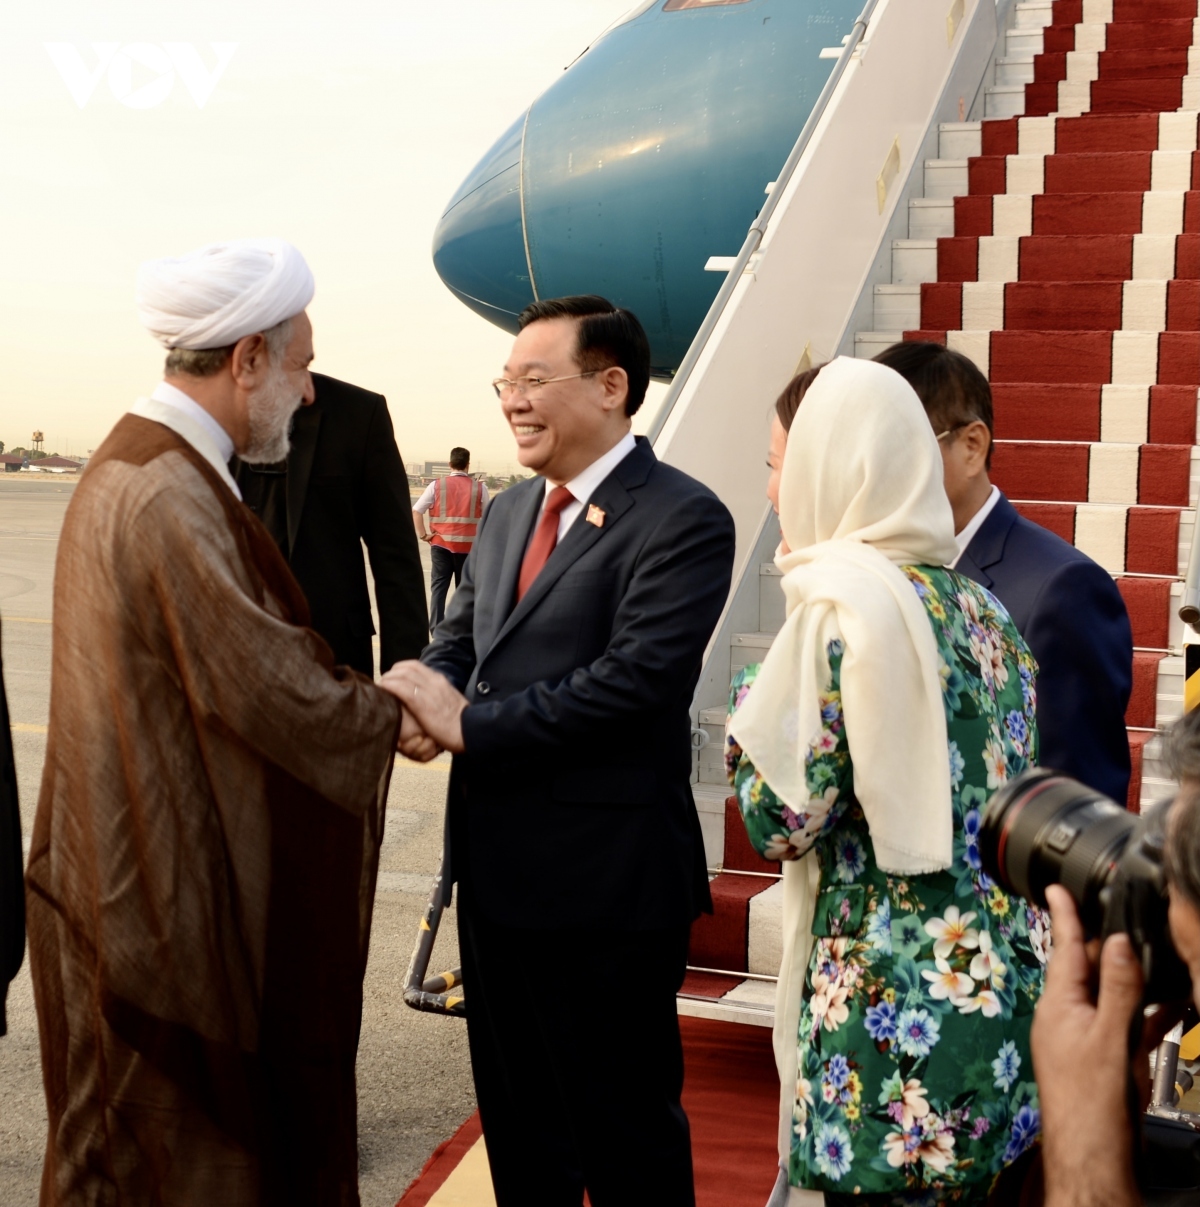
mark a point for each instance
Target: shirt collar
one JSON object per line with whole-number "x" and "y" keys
{"x": 584, "y": 483}
{"x": 964, "y": 538}
{"x": 173, "y": 408}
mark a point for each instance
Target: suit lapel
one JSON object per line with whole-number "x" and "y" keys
{"x": 305, "y": 426}
{"x": 967, "y": 565}
{"x": 612, "y": 497}
{"x": 987, "y": 545}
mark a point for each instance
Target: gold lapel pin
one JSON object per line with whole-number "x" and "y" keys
{"x": 595, "y": 515}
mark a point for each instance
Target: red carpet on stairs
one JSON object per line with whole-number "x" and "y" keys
{"x": 720, "y": 939}
{"x": 1073, "y": 280}
{"x": 731, "y": 1095}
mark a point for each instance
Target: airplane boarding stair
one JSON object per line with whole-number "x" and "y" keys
{"x": 1068, "y": 272}
{"x": 1057, "y": 243}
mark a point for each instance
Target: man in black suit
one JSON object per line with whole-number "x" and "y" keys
{"x": 1065, "y": 605}
{"x": 343, "y": 483}
{"x": 562, "y": 681}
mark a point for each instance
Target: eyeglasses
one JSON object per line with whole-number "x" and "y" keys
{"x": 531, "y": 385}
{"x": 957, "y": 427}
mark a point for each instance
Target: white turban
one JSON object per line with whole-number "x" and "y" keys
{"x": 215, "y": 296}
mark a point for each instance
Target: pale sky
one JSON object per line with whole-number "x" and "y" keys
{"x": 342, "y": 125}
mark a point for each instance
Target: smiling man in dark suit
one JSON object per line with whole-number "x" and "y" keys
{"x": 1065, "y": 605}
{"x": 562, "y": 681}
{"x": 343, "y": 484}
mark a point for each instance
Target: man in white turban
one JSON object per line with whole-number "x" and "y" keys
{"x": 204, "y": 854}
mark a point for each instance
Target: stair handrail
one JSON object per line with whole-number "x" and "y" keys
{"x": 1189, "y": 605}
{"x": 758, "y": 228}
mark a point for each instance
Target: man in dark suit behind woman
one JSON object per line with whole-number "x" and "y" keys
{"x": 1065, "y": 605}
{"x": 562, "y": 681}
{"x": 343, "y": 484}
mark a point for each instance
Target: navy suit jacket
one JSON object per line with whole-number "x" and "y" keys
{"x": 572, "y": 805}
{"x": 1071, "y": 614}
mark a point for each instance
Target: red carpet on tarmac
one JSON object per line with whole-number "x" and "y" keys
{"x": 731, "y": 1094}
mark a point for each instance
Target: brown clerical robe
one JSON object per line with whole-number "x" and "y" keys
{"x": 204, "y": 856}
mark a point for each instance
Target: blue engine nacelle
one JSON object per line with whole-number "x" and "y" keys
{"x": 649, "y": 155}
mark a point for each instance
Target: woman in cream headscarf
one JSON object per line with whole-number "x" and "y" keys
{"x": 896, "y": 698}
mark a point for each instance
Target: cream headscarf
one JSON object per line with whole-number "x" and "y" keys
{"x": 861, "y": 494}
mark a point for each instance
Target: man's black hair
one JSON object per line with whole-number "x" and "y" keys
{"x": 460, "y": 458}
{"x": 607, "y": 336}
{"x": 950, "y": 386}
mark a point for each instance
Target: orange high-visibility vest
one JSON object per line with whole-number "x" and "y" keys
{"x": 454, "y": 516}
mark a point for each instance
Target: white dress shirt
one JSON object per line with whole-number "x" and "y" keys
{"x": 964, "y": 538}
{"x": 187, "y": 418}
{"x": 583, "y": 484}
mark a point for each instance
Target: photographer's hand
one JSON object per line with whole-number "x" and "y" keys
{"x": 1081, "y": 1059}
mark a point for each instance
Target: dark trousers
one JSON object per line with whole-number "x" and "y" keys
{"x": 446, "y": 565}
{"x": 578, "y": 1062}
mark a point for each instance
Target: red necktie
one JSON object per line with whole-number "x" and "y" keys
{"x": 544, "y": 539}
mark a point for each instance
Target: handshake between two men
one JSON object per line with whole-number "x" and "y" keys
{"x": 198, "y": 972}
{"x": 431, "y": 720}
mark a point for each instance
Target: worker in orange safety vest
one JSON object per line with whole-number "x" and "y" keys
{"x": 453, "y": 504}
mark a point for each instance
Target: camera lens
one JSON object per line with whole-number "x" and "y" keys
{"x": 1043, "y": 829}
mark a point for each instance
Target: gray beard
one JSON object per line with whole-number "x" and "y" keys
{"x": 270, "y": 410}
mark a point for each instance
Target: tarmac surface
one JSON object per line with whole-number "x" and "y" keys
{"x": 414, "y": 1078}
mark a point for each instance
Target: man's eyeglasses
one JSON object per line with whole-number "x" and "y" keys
{"x": 531, "y": 385}
{"x": 956, "y": 428}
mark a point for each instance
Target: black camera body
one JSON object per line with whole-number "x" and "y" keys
{"x": 1044, "y": 828}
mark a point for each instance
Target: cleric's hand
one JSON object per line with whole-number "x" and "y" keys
{"x": 414, "y": 743}
{"x": 434, "y": 702}
{"x": 1081, "y": 1059}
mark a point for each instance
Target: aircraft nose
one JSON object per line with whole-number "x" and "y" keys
{"x": 479, "y": 244}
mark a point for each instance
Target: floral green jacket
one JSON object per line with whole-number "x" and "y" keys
{"x": 914, "y": 1071}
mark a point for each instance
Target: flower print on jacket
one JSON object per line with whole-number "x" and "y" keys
{"x": 834, "y": 1154}
{"x": 1007, "y": 1065}
{"x": 916, "y": 1032}
{"x": 913, "y": 1033}
{"x": 953, "y": 929}
{"x": 995, "y": 758}
{"x": 987, "y": 965}
{"x": 1018, "y": 729}
{"x": 851, "y": 859}
{"x": 957, "y": 766}
{"x": 1025, "y": 1129}
{"x": 881, "y": 1022}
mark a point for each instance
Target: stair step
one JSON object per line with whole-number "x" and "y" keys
{"x": 1170, "y": 689}
{"x": 1014, "y": 71}
{"x": 868, "y": 344}
{"x": 897, "y": 306}
{"x": 1155, "y": 790}
{"x": 772, "y": 608}
{"x": 1032, "y": 15}
{"x": 946, "y": 177}
{"x": 960, "y": 140}
{"x": 1004, "y": 100}
{"x": 764, "y": 947}
{"x": 930, "y": 217}
{"x": 1022, "y": 42}
{"x": 1129, "y": 541}
{"x": 914, "y": 261}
